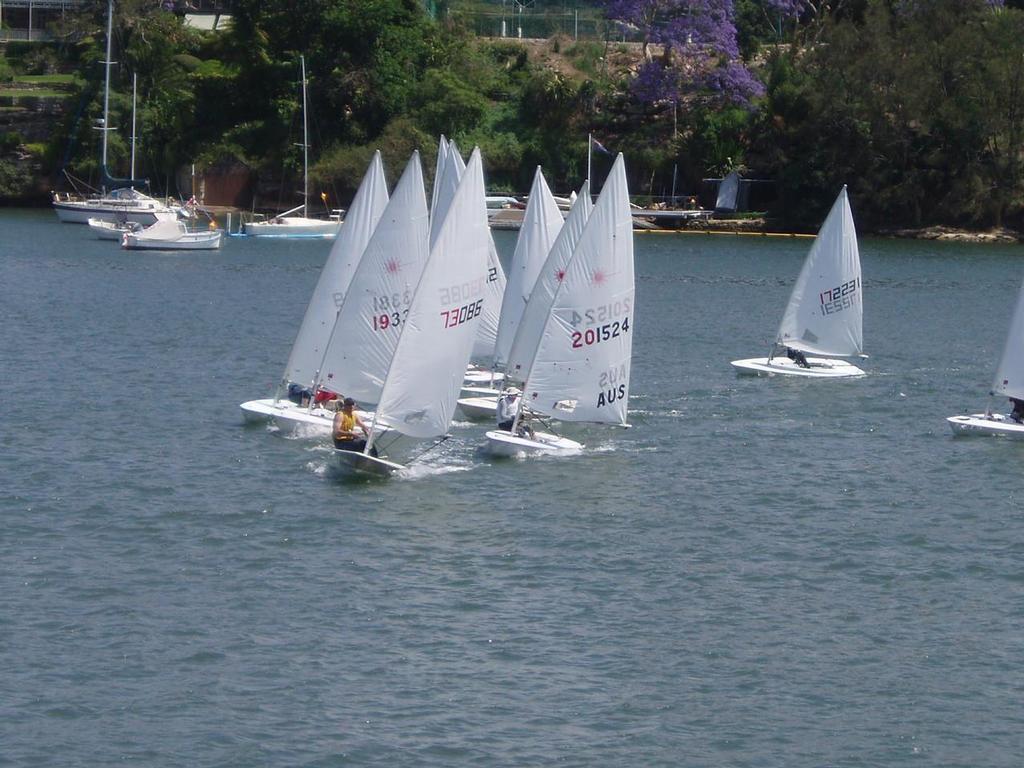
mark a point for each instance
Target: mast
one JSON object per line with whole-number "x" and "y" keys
{"x": 106, "y": 89}
{"x": 135, "y": 81}
{"x": 305, "y": 144}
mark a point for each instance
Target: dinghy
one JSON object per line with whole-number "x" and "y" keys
{"x": 581, "y": 365}
{"x": 1009, "y": 382}
{"x": 824, "y": 318}
{"x": 307, "y": 353}
{"x": 437, "y": 336}
{"x": 171, "y": 235}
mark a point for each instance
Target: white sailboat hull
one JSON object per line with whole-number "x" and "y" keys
{"x": 501, "y": 443}
{"x": 479, "y": 407}
{"x": 821, "y": 368}
{"x": 993, "y": 425}
{"x": 184, "y": 241}
{"x": 472, "y": 391}
{"x": 293, "y": 226}
{"x": 289, "y": 417}
{"x": 361, "y": 464}
{"x": 109, "y": 230}
{"x": 481, "y": 377}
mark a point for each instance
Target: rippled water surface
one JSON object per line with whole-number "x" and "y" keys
{"x": 760, "y": 573}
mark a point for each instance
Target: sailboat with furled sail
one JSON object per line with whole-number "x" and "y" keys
{"x": 1009, "y": 382}
{"x": 287, "y": 224}
{"x": 119, "y": 201}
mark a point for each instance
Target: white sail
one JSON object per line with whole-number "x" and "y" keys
{"x": 538, "y": 307}
{"x": 487, "y": 335}
{"x": 582, "y": 365}
{"x": 825, "y": 311}
{"x": 429, "y": 363}
{"x": 728, "y": 191}
{"x": 445, "y": 185}
{"x": 346, "y": 251}
{"x": 541, "y": 225}
{"x": 442, "y": 160}
{"x": 370, "y": 320}
{"x": 1009, "y": 379}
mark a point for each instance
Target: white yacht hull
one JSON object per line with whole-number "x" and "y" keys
{"x": 501, "y": 443}
{"x": 479, "y": 407}
{"x": 995, "y": 424}
{"x": 79, "y": 212}
{"x": 820, "y": 368}
{"x": 293, "y": 226}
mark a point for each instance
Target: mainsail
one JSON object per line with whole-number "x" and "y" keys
{"x": 346, "y": 251}
{"x": 581, "y": 368}
{"x": 430, "y": 360}
{"x": 1009, "y": 379}
{"x": 541, "y": 225}
{"x": 825, "y": 311}
{"x": 379, "y": 296}
{"x": 538, "y": 307}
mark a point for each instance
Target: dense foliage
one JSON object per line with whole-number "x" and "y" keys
{"x": 917, "y": 105}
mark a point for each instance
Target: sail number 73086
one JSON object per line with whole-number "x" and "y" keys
{"x": 459, "y": 315}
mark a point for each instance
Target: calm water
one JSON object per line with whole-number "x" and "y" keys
{"x": 761, "y": 573}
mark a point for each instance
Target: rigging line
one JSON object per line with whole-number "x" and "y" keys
{"x": 420, "y": 455}
{"x": 393, "y": 441}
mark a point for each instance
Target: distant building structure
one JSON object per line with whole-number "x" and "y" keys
{"x": 28, "y": 19}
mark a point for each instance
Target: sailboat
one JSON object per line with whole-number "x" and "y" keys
{"x": 580, "y": 368}
{"x": 122, "y": 205}
{"x": 285, "y": 224}
{"x": 437, "y": 335}
{"x": 541, "y": 224}
{"x": 308, "y": 350}
{"x": 1009, "y": 382}
{"x": 825, "y": 311}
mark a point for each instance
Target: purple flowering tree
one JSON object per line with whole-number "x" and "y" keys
{"x": 689, "y": 50}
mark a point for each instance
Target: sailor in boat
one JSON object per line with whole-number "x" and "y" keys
{"x": 346, "y": 422}
{"x": 299, "y": 394}
{"x": 326, "y": 399}
{"x": 508, "y": 404}
{"x": 1017, "y": 414}
{"x": 797, "y": 357}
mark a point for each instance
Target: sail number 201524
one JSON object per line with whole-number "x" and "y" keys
{"x": 601, "y": 323}
{"x": 839, "y": 298}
